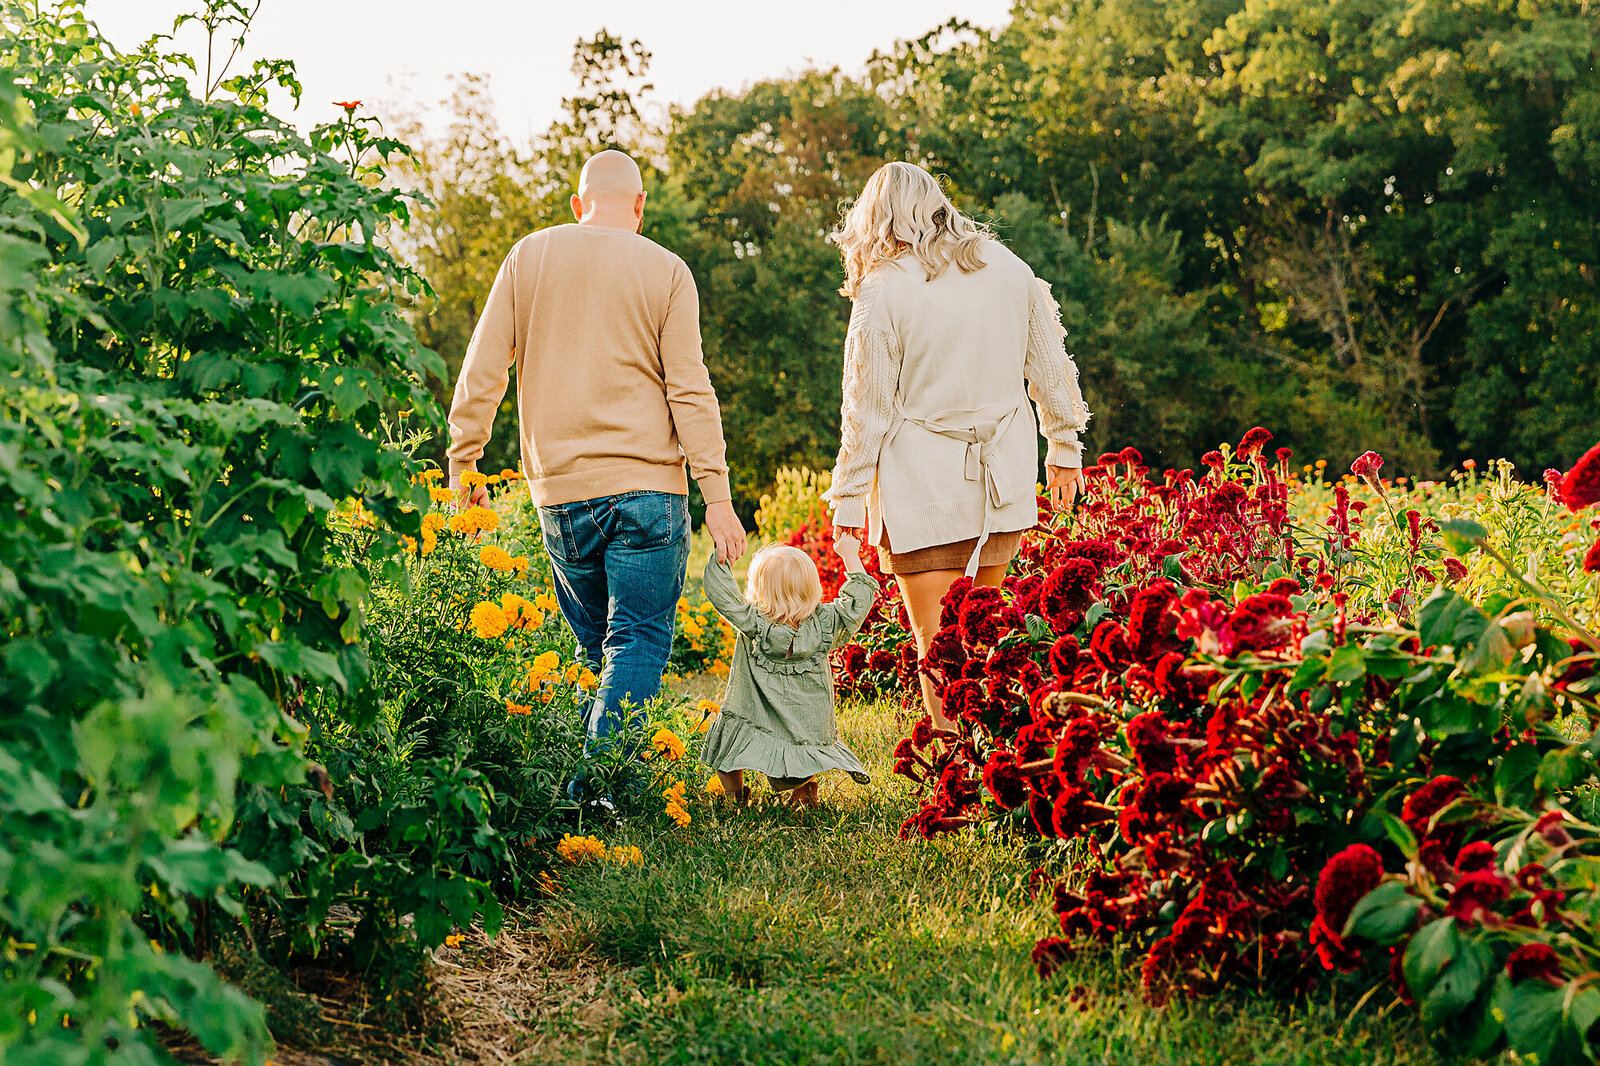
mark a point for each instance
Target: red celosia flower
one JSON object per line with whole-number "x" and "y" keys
{"x": 1049, "y": 954}
{"x": 1429, "y": 800}
{"x": 853, "y": 659}
{"x": 1131, "y": 456}
{"x": 1005, "y": 782}
{"x": 883, "y": 660}
{"x": 1152, "y": 621}
{"x": 1253, "y": 442}
{"x": 1454, "y": 570}
{"x": 1213, "y": 459}
{"x": 1475, "y": 894}
{"x": 1075, "y": 810}
{"x": 1068, "y": 590}
{"x": 1581, "y": 485}
{"x": 950, "y": 605}
{"x": 1346, "y": 877}
{"x": 1366, "y": 467}
{"x": 348, "y": 105}
{"x": 1475, "y": 857}
{"x": 1154, "y": 802}
{"x": 1109, "y": 647}
{"x": 1549, "y": 827}
{"x": 1151, "y": 743}
{"x": 979, "y": 623}
{"x": 1591, "y": 560}
{"x": 1534, "y": 962}
{"x": 964, "y": 699}
{"x": 1064, "y": 657}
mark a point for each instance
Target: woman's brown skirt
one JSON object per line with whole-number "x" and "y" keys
{"x": 999, "y": 551}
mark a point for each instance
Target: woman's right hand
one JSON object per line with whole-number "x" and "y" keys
{"x": 858, "y": 532}
{"x": 1062, "y": 483}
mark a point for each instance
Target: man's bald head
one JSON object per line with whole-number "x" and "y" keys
{"x": 610, "y": 191}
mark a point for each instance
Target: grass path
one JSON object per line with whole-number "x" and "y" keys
{"x": 771, "y": 937}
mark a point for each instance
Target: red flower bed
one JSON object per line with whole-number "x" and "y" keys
{"x": 1171, "y": 681}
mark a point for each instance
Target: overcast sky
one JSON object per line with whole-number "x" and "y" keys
{"x": 398, "y": 50}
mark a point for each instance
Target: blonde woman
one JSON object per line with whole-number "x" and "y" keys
{"x": 949, "y": 337}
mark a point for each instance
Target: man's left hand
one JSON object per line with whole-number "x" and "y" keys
{"x": 727, "y": 532}
{"x": 477, "y": 496}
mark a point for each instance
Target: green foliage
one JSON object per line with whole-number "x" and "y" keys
{"x": 199, "y": 337}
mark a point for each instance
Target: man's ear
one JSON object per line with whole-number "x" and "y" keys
{"x": 638, "y": 205}
{"x": 577, "y": 207}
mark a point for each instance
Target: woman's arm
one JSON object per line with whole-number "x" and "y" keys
{"x": 871, "y": 375}
{"x": 723, "y": 592}
{"x": 1053, "y": 382}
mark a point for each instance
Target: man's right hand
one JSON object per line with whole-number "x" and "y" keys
{"x": 727, "y": 533}
{"x": 478, "y": 496}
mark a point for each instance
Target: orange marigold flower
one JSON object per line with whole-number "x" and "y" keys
{"x": 488, "y": 620}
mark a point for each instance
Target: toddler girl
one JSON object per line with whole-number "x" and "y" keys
{"x": 777, "y": 716}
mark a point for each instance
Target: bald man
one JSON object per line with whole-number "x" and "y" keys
{"x": 602, "y": 326}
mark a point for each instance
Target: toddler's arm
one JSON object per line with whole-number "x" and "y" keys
{"x": 723, "y": 592}
{"x": 856, "y": 596}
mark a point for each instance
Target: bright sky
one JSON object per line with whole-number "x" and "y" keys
{"x": 406, "y": 50}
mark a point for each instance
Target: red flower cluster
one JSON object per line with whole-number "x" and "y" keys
{"x": 1581, "y": 485}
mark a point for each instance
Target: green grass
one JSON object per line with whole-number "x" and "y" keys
{"x": 772, "y": 937}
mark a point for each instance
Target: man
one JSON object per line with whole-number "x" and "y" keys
{"x": 603, "y": 328}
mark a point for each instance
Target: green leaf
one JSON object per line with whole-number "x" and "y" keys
{"x": 1348, "y": 664}
{"x": 1461, "y": 535}
{"x": 1448, "y": 619}
{"x": 1532, "y": 1013}
{"x": 1039, "y": 630}
{"x": 1384, "y": 914}
{"x": 1458, "y": 984}
{"x": 1514, "y": 776}
{"x": 1428, "y": 953}
{"x": 1562, "y": 768}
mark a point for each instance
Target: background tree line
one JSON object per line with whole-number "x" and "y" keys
{"x": 1364, "y": 224}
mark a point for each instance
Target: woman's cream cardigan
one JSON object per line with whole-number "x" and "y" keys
{"x": 938, "y": 444}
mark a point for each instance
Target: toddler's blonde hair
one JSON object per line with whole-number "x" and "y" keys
{"x": 783, "y": 584}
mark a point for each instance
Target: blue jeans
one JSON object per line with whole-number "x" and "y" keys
{"x": 619, "y": 563}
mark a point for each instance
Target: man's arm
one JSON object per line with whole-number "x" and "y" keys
{"x": 696, "y": 416}
{"x": 485, "y": 371}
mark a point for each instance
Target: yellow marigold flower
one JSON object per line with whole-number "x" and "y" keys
{"x": 718, "y": 668}
{"x": 492, "y": 479}
{"x": 409, "y": 543}
{"x": 454, "y": 940}
{"x": 510, "y": 474}
{"x": 692, "y": 630}
{"x": 546, "y": 601}
{"x": 429, "y": 542}
{"x": 475, "y": 520}
{"x": 439, "y": 495}
{"x": 547, "y": 662}
{"x": 580, "y": 849}
{"x": 432, "y": 522}
{"x": 669, "y": 744}
{"x": 709, "y": 709}
{"x": 587, "y": 681}
{"x": 518, "y": 708}
{"x": 431, "y": 475}
{"x": 471, "y": 479}
{"x": 488, "y": 620}
{"x": 624, "y": 854}
{"x": 675, "y": 792}
{"x": 520, "y": 612}
{"x": 519, "y": 563}
{"x": 679, "y": 815}
{"x": 495, "y": 558}
{"x": 714, "y": 786}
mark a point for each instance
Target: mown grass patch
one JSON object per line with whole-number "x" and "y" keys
{"x": 770, "y": 936}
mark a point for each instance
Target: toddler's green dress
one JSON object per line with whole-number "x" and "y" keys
{"x": 777, "y": 715}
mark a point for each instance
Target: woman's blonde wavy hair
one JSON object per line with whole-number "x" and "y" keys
{"x": 901, "y": 209}
{"x": 783, "y": 584}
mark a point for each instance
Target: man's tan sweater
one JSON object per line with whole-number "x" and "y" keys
{"x": 603, "y": 328}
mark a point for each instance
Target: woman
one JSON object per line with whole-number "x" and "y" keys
{"x": 950, "y": 335}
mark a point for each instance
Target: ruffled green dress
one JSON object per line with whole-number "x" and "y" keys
{"x": 777, "y": 715}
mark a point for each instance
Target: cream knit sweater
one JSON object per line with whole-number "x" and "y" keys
{"x": 603, "y": 329}
{"x": 938, "y": 443}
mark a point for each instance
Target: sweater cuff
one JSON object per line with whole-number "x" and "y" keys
{"x": 714, "y": 488}
{"x": 850, "y": 512}
{"x": 459, "y": 467}
{"x": 1067, "y": 453}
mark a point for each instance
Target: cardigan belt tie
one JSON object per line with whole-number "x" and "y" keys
{"x": 980, "y": 440}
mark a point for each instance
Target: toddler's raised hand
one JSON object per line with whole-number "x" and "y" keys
{"x": 848, "y": 549}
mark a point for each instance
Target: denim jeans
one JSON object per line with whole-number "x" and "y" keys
{"x": 619, "y": 563}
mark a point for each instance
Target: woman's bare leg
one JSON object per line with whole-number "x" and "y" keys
{"x": 922, "y": 593}
{"x": 804, "y": 795}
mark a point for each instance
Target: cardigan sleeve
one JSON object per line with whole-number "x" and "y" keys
{"x": 1053, "y": 381}
{"x": 871, "y": 376}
